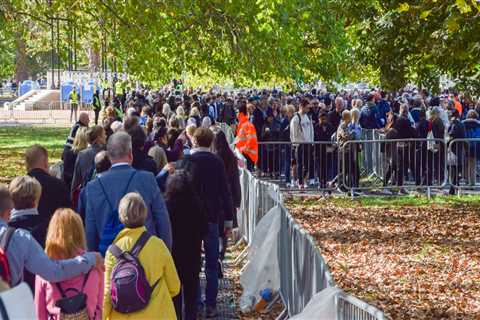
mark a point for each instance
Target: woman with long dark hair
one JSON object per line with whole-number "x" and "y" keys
{"x": 222, "y": 149}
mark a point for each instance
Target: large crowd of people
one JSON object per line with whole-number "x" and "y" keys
{"x": 154, "y": 185}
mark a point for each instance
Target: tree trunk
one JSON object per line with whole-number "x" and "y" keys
{"x": 93, "y": 59}
{"x": 22, "y": 70}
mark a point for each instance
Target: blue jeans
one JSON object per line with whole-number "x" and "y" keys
{"x": 286, "y": 161}
{"x": 211, "y": 245}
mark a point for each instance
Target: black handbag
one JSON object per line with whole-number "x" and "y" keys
{"x": 74, "y": 307}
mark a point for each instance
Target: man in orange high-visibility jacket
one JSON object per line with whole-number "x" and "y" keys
{"x": 457, "y": 104}
{"x": 246, "y": 140}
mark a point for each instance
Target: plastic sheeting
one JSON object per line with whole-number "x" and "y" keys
{"x": 262, "y": 270}
{"x": 321, "y": 306}
{"x": 16, "y": 309}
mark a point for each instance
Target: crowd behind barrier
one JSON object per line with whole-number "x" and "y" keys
{"x": 326, "y": 139}
{"x": 382, "y": 164}
{"x": 303, "y": 271}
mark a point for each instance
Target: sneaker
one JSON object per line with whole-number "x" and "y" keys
{"x": 211, "y": 312}
{"x": 387, "y": 192}
{"x": 403, "y": 191}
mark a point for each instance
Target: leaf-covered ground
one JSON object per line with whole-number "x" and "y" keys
{"x": 14, "y": 141}
{"x": 414, "y": 261}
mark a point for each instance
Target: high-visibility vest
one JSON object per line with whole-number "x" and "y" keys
{"x": 246, "y": 140}
{"x": 118, "y": 88}
{"x": 73, "y": 97}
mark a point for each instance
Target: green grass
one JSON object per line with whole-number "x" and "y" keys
{"x": 400, "y": 201}
{"x": 14, "y": 141}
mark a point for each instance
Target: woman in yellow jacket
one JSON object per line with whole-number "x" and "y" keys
{"x": 155, "y": 259}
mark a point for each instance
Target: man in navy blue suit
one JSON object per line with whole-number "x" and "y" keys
{"x": 112, "y": 185}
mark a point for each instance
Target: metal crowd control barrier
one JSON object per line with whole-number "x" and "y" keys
{"x": 404, "y": 164}
{"x": 303, "y": 271}
{"x": 358, "y": 165}
{"x": 299, "y": 165}
{"x": 44, "y": 113}
{"x": 463, "y": 163}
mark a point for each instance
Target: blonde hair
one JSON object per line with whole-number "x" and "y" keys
{"x": 190, "y": 129}
{"x": 25, "y": 192}
{"x": 194, "y": 112}
{"x": 355, "y": 113}
{"x": 81, "y": 140}
{"x": 132, "y": 210}
{"x": 65, "y": 236}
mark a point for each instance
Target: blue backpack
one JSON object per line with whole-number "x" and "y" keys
{"x": 113, "y": 226}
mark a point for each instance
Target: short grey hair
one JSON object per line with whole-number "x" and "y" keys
{"x": 116, "y": 126}
{"x": 119, "y": 145}
{"x": 132, "y": 210}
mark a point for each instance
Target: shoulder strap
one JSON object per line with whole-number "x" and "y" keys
{"x": 5, "y": 241}
{"x": 140, "y": 243}
{"x": 115, "y": 250}
{"x": 299, "y": 121}
{"x": 59, "y": 287}
{"x": 85, "y": 279}
{"x": 105, "y": 192}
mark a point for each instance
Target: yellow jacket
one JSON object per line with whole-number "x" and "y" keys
{"x": 158, "y": 264}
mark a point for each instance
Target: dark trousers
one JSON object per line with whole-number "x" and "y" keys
{"x": 211, "y": 245}
{"x": 97, "y": 114}
{"x": 305, "y": 162}
{"x": 188, "y": 269}
{"x": 286, "y": 161}
{"x": 250, "y": 163}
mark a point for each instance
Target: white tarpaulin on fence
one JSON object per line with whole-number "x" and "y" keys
{"x": 262, "y": 270}
{"x": 321, "y": 306}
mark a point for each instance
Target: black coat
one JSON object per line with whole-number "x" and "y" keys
{"x": 185, "y": 220}
{"x": 334, "y": 118}
{"x": 55, "y": 195}
{"x": 69, "y": 159}
{"x": 144, "y": 162}
{"x": 209, "y": 179}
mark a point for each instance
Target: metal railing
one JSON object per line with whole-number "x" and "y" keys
{"x": 45, "y": 113}
{"x": 351, "y": 308}
{"x": 303, "y": 271}
{"x": 463, "y": 163}
{"x": 400, "y": 164}
{"x": 372, "y": 165}
{"x": 299, "y": 165}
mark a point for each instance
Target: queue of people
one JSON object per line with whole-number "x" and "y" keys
{"x": 155, "y": 185}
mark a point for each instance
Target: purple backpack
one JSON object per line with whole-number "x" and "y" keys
{"x": 129, "y": 287}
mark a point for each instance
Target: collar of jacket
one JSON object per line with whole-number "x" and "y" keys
{"x": 121, "y": 166}
{"x": 38, "y": 171}
{"x": 130, "y": 232}
{"x": 24, "y": 212}
{"x": 199, "y": 149}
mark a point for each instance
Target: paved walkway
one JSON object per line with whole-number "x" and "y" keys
{"x": 226, "y": 298}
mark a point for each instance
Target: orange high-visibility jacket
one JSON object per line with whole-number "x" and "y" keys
{"x": 246, "y": 140}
